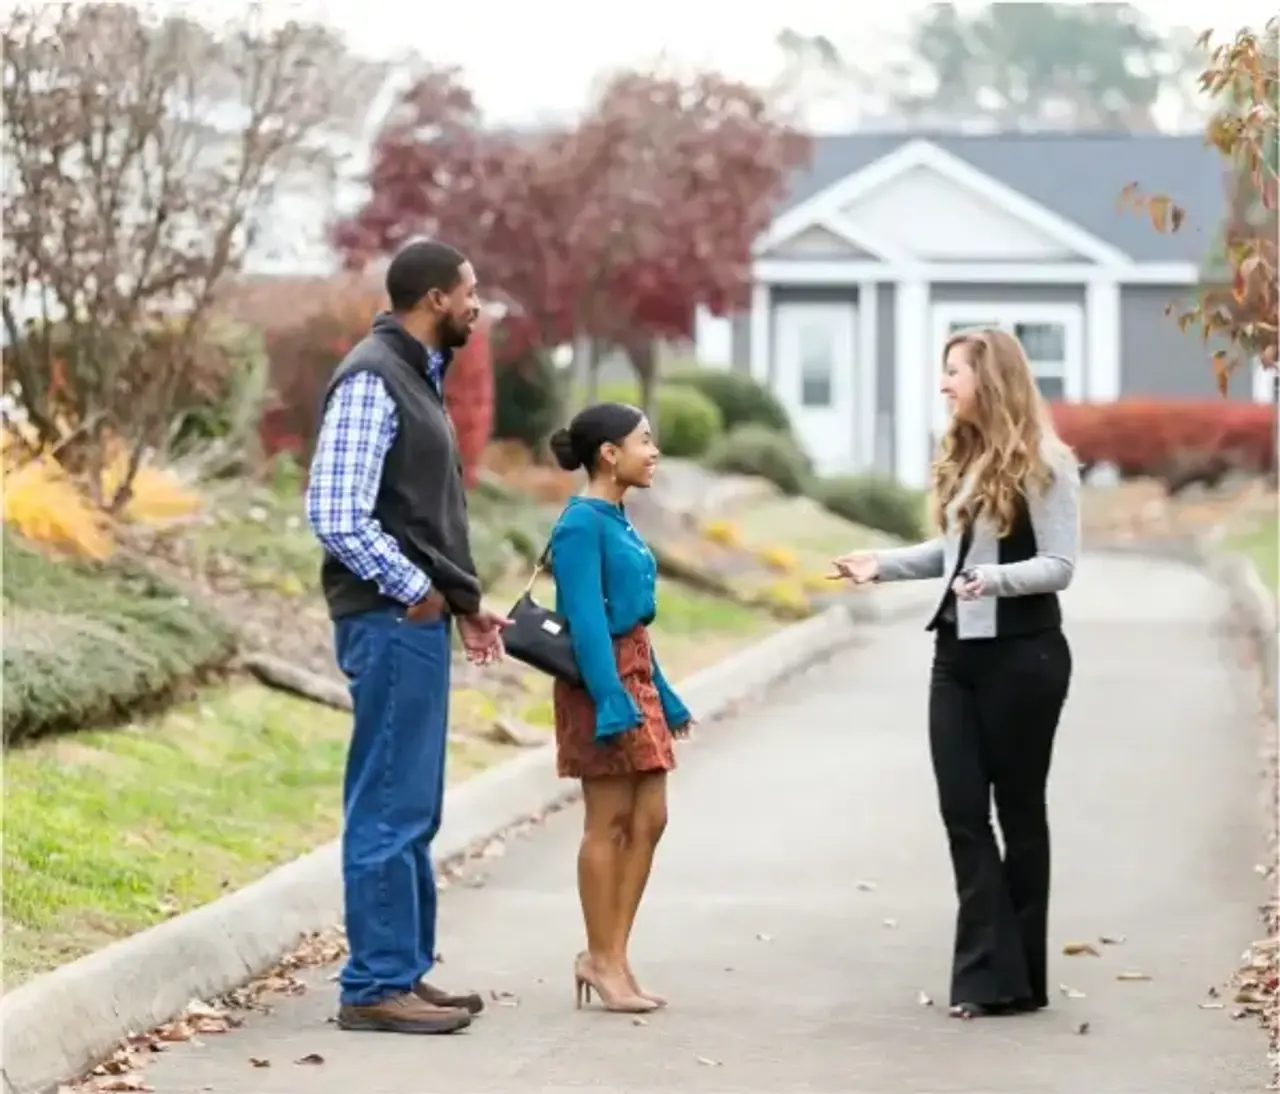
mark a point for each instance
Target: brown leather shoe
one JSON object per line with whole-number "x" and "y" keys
{"x": 407, "y": 1013}
{"x": 471, "y": 1001}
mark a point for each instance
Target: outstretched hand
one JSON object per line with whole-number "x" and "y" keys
{"x": 481, "y": 635}
{"x": 859, "y": 567}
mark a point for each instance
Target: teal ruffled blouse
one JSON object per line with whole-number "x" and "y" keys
{"x": 594, "y": 548}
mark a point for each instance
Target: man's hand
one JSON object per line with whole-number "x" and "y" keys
{"x": 481, "y": 635}
{"x": 427, "y": 610}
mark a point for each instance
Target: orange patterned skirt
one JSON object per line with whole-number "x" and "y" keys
{"x": 646, "y": 748}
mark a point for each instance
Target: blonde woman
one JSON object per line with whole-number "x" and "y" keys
{"x": 1006, "y": 498}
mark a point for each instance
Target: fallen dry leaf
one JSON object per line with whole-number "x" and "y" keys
{"x": 259, "y": 1062}
{"x": 1081, "y": 949}
{"x": 198, "y": 1008}
{"x": 129, "y": 1082}
{"x": 310, "y": 1058}
{"x": 175, "y": 1032}
{"x": 1133, "y": 976}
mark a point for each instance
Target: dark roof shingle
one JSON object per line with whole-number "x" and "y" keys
{"x": 1078, "y": 176}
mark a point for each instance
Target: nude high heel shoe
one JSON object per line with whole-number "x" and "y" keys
{"x": 620, "y": 1001}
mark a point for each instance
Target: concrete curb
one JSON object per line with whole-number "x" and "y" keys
{"x": 60, "y": 1024}
{"x": 1254, "y": 602}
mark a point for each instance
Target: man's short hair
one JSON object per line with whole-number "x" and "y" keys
{"x": 420, "y": 267}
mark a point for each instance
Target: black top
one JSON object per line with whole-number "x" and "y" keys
{"x": 422, "y": 502}
{"x": 1014, "y": 614}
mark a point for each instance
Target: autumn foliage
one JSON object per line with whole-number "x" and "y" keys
{"x": 305, "y": 351}
{"x": 125, "y": 209}
{"x": 1240, "y": 302}
{"x": 615, "y": 229}
{"x": 1148, "y": 436}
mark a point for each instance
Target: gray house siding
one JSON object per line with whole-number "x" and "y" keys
{"x": 1160, "y": 361}
{"x": 948, "y": 292}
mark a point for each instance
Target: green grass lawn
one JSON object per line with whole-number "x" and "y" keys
{"x": 1258, "y": 542}
{"x": 109, "y": 832}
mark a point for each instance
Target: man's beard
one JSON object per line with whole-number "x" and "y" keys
{"x": 453, "y": 334}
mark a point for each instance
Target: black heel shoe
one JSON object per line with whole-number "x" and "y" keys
{"x": 969, "y": 1011}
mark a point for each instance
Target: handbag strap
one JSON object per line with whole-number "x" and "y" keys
{"x": 545, "y": 558}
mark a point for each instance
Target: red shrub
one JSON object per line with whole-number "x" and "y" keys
{"x": 305, "y": 351}
{"x": 1144, "y": 436}
{"x": 468, "y": 393}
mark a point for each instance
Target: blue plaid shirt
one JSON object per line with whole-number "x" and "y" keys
{"x": 359, "y": 427}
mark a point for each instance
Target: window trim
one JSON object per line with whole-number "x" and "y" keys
{"x": 1069, "y": 316}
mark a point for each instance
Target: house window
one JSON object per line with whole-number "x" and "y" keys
{"x": 1050, "y": 334}
{"x": 816, "y": 365}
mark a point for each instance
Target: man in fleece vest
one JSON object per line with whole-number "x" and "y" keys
{"x": 386, "y": 501}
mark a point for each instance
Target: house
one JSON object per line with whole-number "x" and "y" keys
{"x": 887, "y": 244}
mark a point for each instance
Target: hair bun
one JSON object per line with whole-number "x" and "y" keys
{"x": 562, "y": 447}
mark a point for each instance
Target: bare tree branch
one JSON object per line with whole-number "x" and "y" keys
{"x": 142, "y": 153}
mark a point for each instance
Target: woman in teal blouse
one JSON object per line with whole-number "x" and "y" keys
{"x": 615, "y": 733}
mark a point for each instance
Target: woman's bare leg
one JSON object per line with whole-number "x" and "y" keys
{"x": 648, "y": 822}
{"x": 609, "y": 803}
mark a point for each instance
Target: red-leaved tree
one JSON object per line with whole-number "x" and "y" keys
{"x": 683, "y": 176}
{"x": 616, "y": 229}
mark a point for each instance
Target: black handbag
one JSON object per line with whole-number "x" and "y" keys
{"x": 538, "y": 636}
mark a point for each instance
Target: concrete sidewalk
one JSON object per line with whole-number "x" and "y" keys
{"x": 788, "y": 975}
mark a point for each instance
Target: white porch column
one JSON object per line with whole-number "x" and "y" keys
{"x": 1102, "y": 340}
{"x": 712, "y": 339}
{"x": 866, "y": 370}
{"x": 761, "y": 332}
{"x": 911, "y": 383}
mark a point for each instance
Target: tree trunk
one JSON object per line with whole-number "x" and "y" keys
{"x": 581, "y": 371}
{"x": 644, "y": 361}
{"x": 594, "y": 354}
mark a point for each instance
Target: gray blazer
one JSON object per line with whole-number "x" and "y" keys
{"x": 1055, "y": 519}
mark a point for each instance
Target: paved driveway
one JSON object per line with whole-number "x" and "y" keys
{"x": 788, "y": 973}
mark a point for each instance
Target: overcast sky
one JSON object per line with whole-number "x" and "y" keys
{"x": 527, "y": 59}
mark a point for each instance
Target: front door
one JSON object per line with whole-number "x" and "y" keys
{"x": 814, "y": 378}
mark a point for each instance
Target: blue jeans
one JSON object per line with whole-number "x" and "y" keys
{"x": 392, "y": 797}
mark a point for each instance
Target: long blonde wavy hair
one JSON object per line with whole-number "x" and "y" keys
{"x": 1009, "y": 443}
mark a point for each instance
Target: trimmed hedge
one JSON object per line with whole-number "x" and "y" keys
{"x": 1149, "y": 436}
{"x": 742, "y": 401}
{"x": 688, "y": 422}
{"x": 759, "y": 450}
{"x": 874, "y": 501}
{"x": 84, "y": 644}
{"x": 529, "y": 400}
